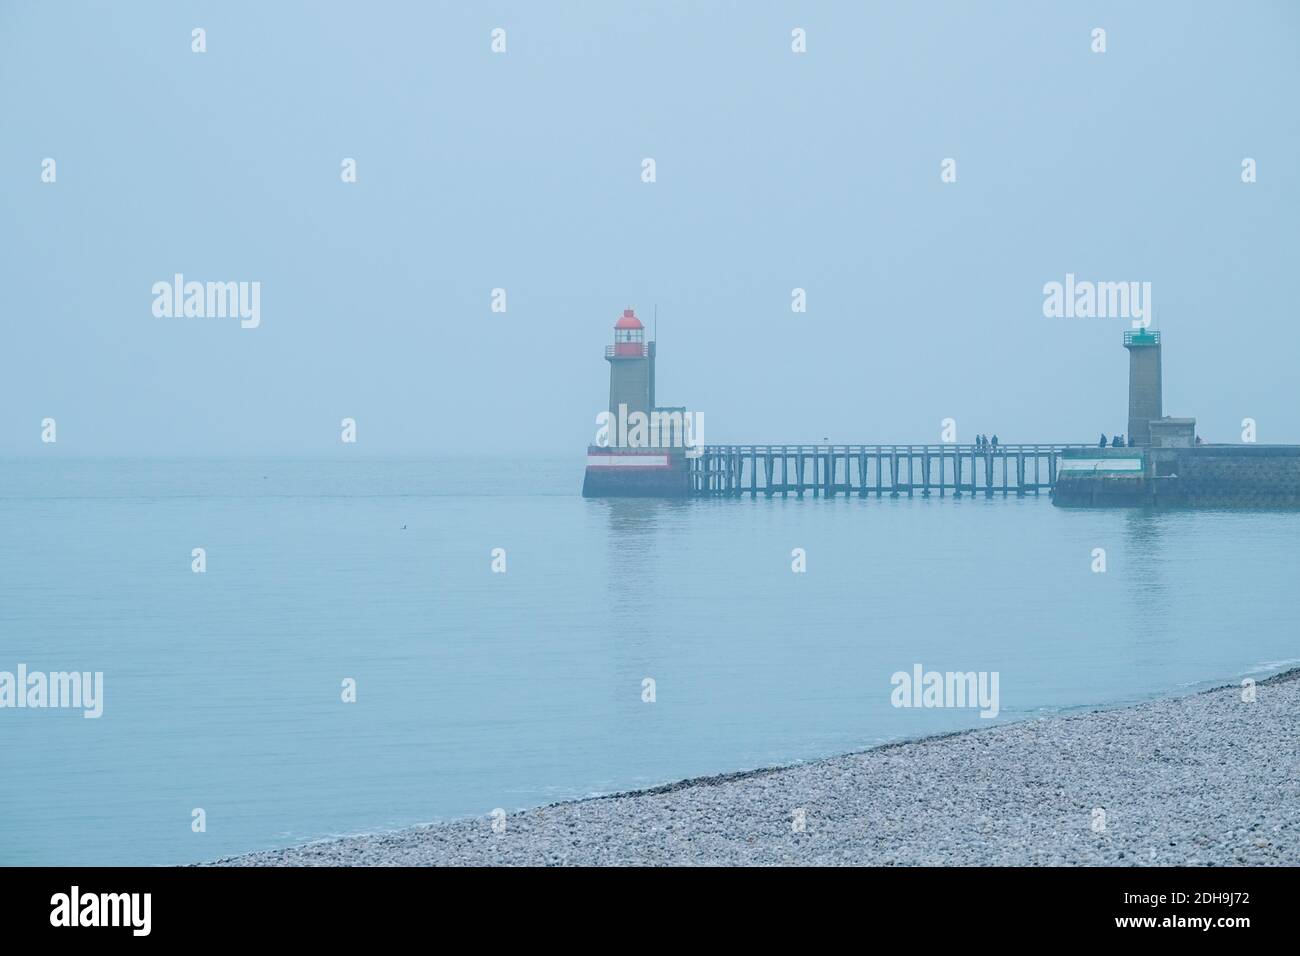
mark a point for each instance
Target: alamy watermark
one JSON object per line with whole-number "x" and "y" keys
{"x": 661, "y": 428}
{"x": 68, "y": 689}
{"x": 1098, "y": 300}
{"x": 75, "y": 908}
{"x": 208, "y": 300}
{"x": 922, "y": 688}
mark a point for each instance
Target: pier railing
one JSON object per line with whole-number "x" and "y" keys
{"x": 894, "y": 470}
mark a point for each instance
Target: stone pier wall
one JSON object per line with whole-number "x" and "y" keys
{"x": 1208, "y": 476}
{"x": 1245, "y": 476}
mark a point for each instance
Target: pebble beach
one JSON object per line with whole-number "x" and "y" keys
{"x": 1202, "y": 780}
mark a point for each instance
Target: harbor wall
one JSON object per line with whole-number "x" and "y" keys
{"x": 1206, "y": 476}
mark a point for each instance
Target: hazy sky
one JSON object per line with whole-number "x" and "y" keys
{"x": 522, "y": 170}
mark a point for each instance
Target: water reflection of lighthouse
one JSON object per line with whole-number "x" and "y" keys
{"x": 632, "y": 458}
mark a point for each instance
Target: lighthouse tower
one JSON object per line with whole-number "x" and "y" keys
{"x": 1144, "y": 386}
{"x": 632, "y": 460}
{"x": 631, "y": 368}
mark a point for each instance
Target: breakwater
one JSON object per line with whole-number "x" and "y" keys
{"x": 1160, "y": 463}
{"x": 1204, "y": 476}
{"x": 1075, "y": 475}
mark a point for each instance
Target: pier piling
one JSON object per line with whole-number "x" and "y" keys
{"x": 734, "y": 470}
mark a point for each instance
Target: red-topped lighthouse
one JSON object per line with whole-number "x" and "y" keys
{"x": 639, "y": 449}
{"x": 631, "y": 367}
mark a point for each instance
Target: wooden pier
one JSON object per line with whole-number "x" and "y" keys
{"x": 893, "y": 470}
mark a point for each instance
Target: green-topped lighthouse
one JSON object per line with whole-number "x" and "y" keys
{"x": 1144, "y": 400}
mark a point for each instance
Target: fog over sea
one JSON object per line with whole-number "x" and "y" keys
{"x": 478, "y": 690}
{"x": 839, "y": 222}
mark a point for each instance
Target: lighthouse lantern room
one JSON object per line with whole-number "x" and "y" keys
{"x": 629, "y": 336}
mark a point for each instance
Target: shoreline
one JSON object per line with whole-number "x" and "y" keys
{"x": 1201, "y": 779}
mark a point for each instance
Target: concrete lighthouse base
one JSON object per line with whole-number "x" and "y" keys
{"x": 636, "y": 473}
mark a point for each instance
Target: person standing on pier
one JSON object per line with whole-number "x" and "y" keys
{"x": 994, "y": 442}
{"x": 1102, "y": 443}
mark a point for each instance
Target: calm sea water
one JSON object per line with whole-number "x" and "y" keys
{"x": 479, "y": 690}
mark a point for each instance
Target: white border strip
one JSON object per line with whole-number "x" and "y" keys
{"x": 627, "y": 461}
